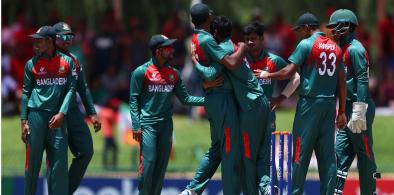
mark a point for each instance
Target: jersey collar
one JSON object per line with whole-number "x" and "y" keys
{"x": 202, "y": 31}
{"x": 262, "y": 55}
{"x": 318, "y": 33}
{"x": 349, "y": 38}
{"x": 156, "y": 63}
{"x": 44, "y": 55}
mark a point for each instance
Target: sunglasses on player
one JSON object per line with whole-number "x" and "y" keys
{"x": 65, "y": 37}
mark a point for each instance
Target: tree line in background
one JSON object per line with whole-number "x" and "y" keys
{"x": 154, "y": 12}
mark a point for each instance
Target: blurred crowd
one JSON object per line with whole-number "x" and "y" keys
{"x": 110, "y": 52}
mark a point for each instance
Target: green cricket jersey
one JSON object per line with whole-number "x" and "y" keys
{"x": 318, "y": 59}
{"x": 82, "y": 88}
{"x": 245, "y": 84}
{"x": 48, "y": 84}
{"x": 208, "y": 53}
{"x": 270, "y": 63}
{"x": 151, "y": 89}
{"x": 356, "y": 68}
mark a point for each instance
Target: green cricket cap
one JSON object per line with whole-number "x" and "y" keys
{"x": 44, "y": 32}
{"x": 159, "y": 40}
{"x": 63, "y": 28}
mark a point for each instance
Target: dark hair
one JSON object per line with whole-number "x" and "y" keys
{"x": 198, "y": 22}
{"x": 314, "y": 27}
{"x": 222, "y": 25}
{"x": 254, "y": 27}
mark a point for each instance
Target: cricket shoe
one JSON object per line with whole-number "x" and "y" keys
{"x": 267, "y": 190}
{"x": 188, "y": 192}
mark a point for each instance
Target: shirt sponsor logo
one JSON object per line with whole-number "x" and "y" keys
{"x": 51, "y": 81}
{"x": 154, "y": 77}
{"x": 327, "y": 46}
{"x": 265, "y": 81}
{"x": 42, "y": 71}
{"x": 161, "y": 88}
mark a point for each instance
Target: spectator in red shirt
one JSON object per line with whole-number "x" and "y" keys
{"x": 109, "y": 117}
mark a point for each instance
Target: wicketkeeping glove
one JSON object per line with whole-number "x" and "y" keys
{"x": 358, "y": 121}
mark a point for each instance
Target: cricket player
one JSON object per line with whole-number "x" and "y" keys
{"x": 356, "y": 138}
{"x": 152, "y": 86}
{"x": 79, "y": 138}
{"x": 318, "y": 61}
{"x": 220, "y": 106}
{"x": 251, "y": 100}
{"x": 48, "y": 88}
{"x": 222, "y": 113}
{"x": 259, "y": 58}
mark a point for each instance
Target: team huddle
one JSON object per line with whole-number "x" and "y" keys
{"x": 238, "y": 81}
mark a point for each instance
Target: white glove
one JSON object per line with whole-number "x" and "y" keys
{"x": 358, "y": 121}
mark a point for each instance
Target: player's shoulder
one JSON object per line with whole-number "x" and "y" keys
{"x": 141, "y": 69}
{"x": 228, "y": 45}
{"x": 66, "y": 58}
{"x": 306, "y": 43}
{"x": 277, "y": 60}
{"x": 30, "y": 63}
{"x": 273, "y": 56}
{"x": 356, "y": 47}
{"x": 73, "y": 56}
{"x": 174, "y": 69}
{"x": 205, "y": 37}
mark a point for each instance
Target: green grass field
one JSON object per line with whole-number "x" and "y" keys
{"x": 192, "y": 139}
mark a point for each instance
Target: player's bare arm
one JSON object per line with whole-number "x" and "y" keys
{"x": 287, "y": 91}
{"x": 232, "y": 61}
{"x": 282, "y": 74}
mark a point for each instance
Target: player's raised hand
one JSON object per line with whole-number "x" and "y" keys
{"x": 341, "y": 120}
{"x": 137, "y": 135}
{"x": 56, "y": 121}
{"x": 25, "y": 131}
{"x": 96, "y": 123}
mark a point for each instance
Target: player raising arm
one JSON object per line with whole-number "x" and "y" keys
{"x": 318, "y": 61}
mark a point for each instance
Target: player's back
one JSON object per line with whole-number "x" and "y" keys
{"x": 318, "y": 59}
{"x": 206, "y": 54}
